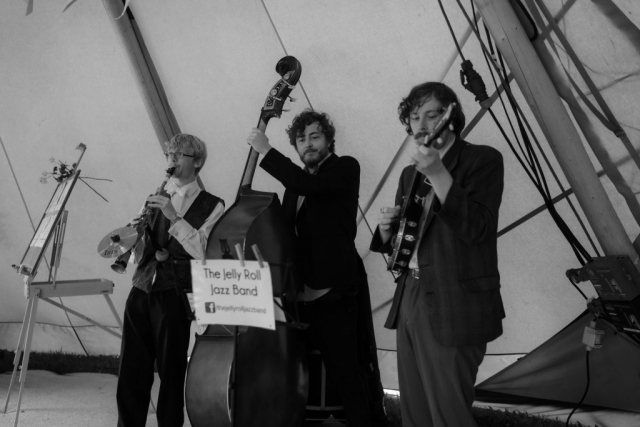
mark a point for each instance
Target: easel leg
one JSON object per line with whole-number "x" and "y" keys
{"x": 113, "y": 310}
{"x": 27, "y": 350}
{"x": 19, "y": 351}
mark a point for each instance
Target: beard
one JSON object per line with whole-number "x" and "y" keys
{"x": 313, "y": 160}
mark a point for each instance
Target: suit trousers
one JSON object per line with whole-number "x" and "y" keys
{"x": 436, "y": 382}
{"x": 333, "y": 327}
{"x": 155, "y": 328}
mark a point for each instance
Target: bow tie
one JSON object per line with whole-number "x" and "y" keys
{"x": 174, "y": 189}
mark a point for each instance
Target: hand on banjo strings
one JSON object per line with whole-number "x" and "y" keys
{"x": 388, "y": 216}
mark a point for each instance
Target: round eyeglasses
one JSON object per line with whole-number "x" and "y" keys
{"x": 177, "y": 155}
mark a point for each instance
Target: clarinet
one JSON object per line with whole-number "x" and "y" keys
{"x": 120, "y": 264}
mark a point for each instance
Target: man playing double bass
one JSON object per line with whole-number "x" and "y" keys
{"x": 447, "y": 304}
{"x": 157, "y": 321}
{"x": 320, "y": 203}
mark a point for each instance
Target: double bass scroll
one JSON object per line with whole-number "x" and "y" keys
{"x": 290, "y": 70}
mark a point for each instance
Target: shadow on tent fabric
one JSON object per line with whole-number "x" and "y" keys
{"x": 554, "y": 375}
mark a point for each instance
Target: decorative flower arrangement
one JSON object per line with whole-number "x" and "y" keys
{"x": 63, "y": 171}
{"x": 60, "y": 172}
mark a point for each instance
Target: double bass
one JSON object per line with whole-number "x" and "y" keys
{"x": 245, "y": 377}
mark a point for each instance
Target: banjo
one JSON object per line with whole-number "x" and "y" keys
{"x": 405, "y": 239}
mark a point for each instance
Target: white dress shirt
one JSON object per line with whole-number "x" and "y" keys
{"x": 193, "y": 240}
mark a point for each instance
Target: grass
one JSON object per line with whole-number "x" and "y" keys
{"x": 63, "y": 363}
{"x": 485, "y": 417}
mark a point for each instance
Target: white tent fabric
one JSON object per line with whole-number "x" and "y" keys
{"x": 67, "y": 80}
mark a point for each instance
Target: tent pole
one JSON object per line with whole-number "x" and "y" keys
{"x": 142, "y": 67}
{"x": 155, "y": 100}
{"x": 565, "y": 142}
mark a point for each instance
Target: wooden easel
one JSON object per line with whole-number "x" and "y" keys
{"x": 36, "y": 291}
{"x": 44, "y": 291}
{"x": 52, "y": 226}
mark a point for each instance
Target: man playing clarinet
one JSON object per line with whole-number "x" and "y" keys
{"x": 157, "y": 317}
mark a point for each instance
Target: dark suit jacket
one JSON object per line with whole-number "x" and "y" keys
{"x": 326, "y": 252}
{"x": 457, "y": 255}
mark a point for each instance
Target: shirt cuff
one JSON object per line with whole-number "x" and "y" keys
{"x": 180, "y": 229}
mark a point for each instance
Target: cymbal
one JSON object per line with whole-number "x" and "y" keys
{"x": 117, "y": 242}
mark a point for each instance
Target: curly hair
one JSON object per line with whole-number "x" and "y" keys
{"x": 183, "y": 140}
{"x": 442, "y": 93}
{"x": 308, "y": 117}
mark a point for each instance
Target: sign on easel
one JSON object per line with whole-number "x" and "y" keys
{"x": 227, "y": 293}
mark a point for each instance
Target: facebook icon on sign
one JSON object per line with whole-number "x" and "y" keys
{"x": 210, "y": 307}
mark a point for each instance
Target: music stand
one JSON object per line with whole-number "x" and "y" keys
{"x": 51, "y": 226}
{"x": 53, "y": 223}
